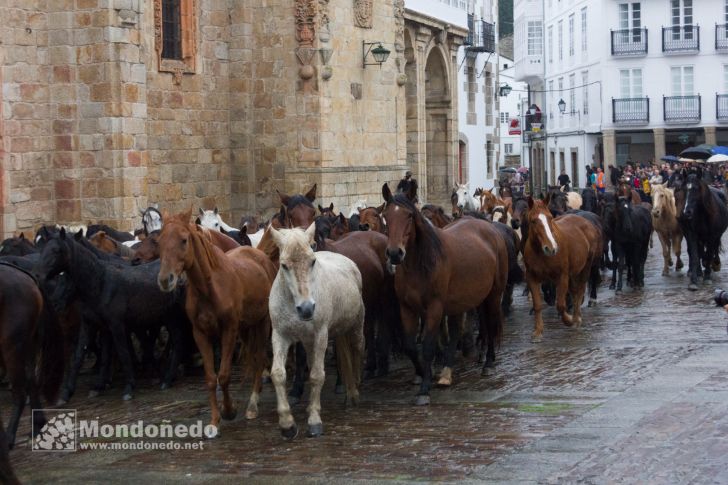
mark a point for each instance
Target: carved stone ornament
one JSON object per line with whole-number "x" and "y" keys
{"x": 305, "y": 26}
{"x": 399, "y": 25}
{"x": 323, "y": 20}
{"x": 363, "y": 13}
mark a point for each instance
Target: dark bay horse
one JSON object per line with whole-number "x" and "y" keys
{"x": 442, "y": 272}
{"x": 298, "y": 210}
{"x": 436, "y": 215}
{"x": 227, "y": 296}
{"x": 565, "y": 251}
{"x": 17, "y": 246}
{"x": 631, "y": 239}
{"x": 31, "y": 345}
{"x": 703, "y": 218}
{"x": 589, "y": 200}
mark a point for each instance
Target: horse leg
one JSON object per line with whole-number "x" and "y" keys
{"x": 371, "y": 347}
{"x": 615, "y": 268}
{"x": 278, "y": 375}
{"x": 18, "y": 376}
{"x": 316, "y": 354}
{"x": 429, "y": 336}
{"x": 296, "y": 392}
{"x": 491, "y": 322}
{"x": 693, "y": 262}
{"x": 410, "y": 325}
{"x": 666, "y": 256}
{"x": 454, "y": 323}
{"x": 384, "y": 345}
{"x": 562, "y": 289}
{"x": 620, "y": 270}
{"x": 578, "y": 296}
{"x": 69, "y": 385}
{"x": 535, "y": 288}
{"x": 175, "y": 350}
{"x": 677, "y": 249}
{"x": 118, "y": 333}
{"x": 227, "y": 341}
{"x": 595, "y": 278}
{"x": 208, "y": 361}
{"x": 104, "y": 360}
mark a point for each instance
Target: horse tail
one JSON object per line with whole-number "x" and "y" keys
{"x": 254, "y": 348}
{"x": 51, "y": 351}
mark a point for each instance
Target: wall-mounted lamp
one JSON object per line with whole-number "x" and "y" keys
{"x": 379, "y": 53}
{"x": 562, "y": 106}
{"x": 504, "y": 90}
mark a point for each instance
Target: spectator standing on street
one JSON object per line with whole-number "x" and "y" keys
{"x": 564, "y": 180}
{"x": 600, "y": 180}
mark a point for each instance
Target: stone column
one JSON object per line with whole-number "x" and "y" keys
{"x": 423, "y": 36}
{"x": 659, "y": 136}
{"x": 710, "y": 138}
{"x": 610, "y": 147}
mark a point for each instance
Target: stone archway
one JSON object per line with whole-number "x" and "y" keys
{"x": 438, "y": 136}
{"x": 412, "y": 107}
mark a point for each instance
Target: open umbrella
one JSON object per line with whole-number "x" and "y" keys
{"x": 523, "y": 169}
{"x": 700, "y": 152}
{"x": 670, "y": 158}
{"x": 507, "y": 169}
{"x": 720, "y": 150}
{"x": 719, "y": 158}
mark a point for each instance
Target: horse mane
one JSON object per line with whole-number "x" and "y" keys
{"x": 429, "y": 245}
{"x": 202, "y": 248}
{"x": 298, "y": 199}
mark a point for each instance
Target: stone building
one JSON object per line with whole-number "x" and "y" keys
{"x": 110, "y": 105}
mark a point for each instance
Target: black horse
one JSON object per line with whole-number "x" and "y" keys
{"x": 589, "y": 200}
{"x": 703, "y": 218}
{"x": 118, "y": 298}
{"x": 17, "y": 246}
{"x": 631, "y": 241}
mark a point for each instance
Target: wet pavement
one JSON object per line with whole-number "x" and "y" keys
{"x": 639, "y": 394}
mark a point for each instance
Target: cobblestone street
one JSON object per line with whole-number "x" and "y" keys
{"x": 639, "y": 394}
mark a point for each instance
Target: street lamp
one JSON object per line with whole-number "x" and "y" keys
{"x": 379, "y": 53}
{"x": 562, "y": 106}
{"x": 504, "y": 90}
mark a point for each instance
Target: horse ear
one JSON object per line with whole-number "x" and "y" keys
{"x": 321, "y": 209}
{"x": 63, "y": 233}
{"x": 547, "y": 199}
{"x": 244, "y": 230}
{"x": 215, "y": 210}
{"x": 331, "y": 207}
{"x": 141, "y": 212}
{"x": 342, "y": 219}
{"x": 198, "y": 221}
{"x": 311, "y": 194}
{"x": 164, "y": 214}
{"x": 202, "y": 213}
{"x": 311, "y": 232}
{"x": 386, "y": 193}
{"x": 530, "y": 202}
{"x": 380, "y": 209}
{"x": 277, "y": 236}
{"x": 284, "y": 197}
{"x": 22, "y": 236}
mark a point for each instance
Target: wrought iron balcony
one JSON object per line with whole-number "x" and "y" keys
{"x": 721, "y": 107}
{"x": 721, "y": 38}
{"x": 681, "y": 38}
{"x": 481, "y": 36}
{"x": 629, "y": 42}
{"x": 631, "y": 111}
{"x": 681, "y": 109}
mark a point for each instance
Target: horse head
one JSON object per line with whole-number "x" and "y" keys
{"x": 151, "y": 219}
{"x": 298, "y": 210}
{"x": 557, "y": 202}
{"x": 663, "y": 200}
{"x": 209, "y": 219}
{"x": 541, "y": 228}
{"x": 17, "y": 246}
{"x": 55, "y": 258}
{"x": 370, "y": 219}
{"x": 176, "y": 244}
{"x": 327, "y": 211}
{"x": 623, "y": 214}
{"x": 520, "y": 207}
{"x": 297, "y": 262}
{"x": 148, "y": 249}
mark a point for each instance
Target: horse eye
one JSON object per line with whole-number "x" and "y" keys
{"x": 184, "y": 241}
{"x": 313, "y": 261}
{"x": 284, "y": 266}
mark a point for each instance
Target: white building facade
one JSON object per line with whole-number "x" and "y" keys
{"x": 510, "y": 115}
{"x": 638, "y": 80}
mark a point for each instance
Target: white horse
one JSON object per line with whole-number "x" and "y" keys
{"x": 664, "y": 220}
{"x": 465, "y": 201}
{"x": 573, "y": 199}
{"x": 151, "y": 219}
{"x": 314, "y": 296}
{"x": 212, "y": 220}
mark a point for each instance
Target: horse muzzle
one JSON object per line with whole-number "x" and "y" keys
{"x": 363, "y": 227}
{"x": 167, "y": 283}
{"x": 548, "y": 251}
{"x": 395, "y": 255}
{"x": 305, "y": 310}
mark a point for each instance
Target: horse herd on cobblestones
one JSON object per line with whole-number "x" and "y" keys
{"x": 396, "y": 276}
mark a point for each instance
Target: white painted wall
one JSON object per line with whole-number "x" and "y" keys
{"x": 454, "y": 12}
{"x": 514, "y": 105}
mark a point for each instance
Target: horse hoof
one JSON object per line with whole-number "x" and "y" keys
{"x": 61, "y": 402}
{"x": 340, "y": 389}
{"x": 422, "y": 400}
{"x": 611, "y": 287}
{"x": 290, "y": 433}
{"x": 487, "y": 371}
{"x": 251, "y": 414}
{"x": 417, "y": 380}
{"x": 127, "y": 396}
{"x": 229, "y": 415}
{"x": 164, "y": 386}
{"x": 693, "y": 287}
{"x": 315, "y": 430}
{"x": 536, "y": 338}
{"x": 618, "y": 290}
{"x": 444, "y": 382}
{"x": 592, "y": 302}
{"x": 679, "y": 265}
{"x": 352, "y": 401}
{"x": 665, "y": 272}
{"x": 93, "y": 393}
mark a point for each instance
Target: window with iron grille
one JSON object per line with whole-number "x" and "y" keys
{"x": 585, "y": 91}
{"x": 583, "y": 30}
{"x": 571, "y": 35}
{"x": 561, "y": 40}
{"x": 175, "y": 26}
{"x": 171, "y": 30}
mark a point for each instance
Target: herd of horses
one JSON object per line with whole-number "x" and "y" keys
{"x": 397, "y": 275}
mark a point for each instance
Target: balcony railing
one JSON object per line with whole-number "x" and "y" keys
{"x": 721, "y": 107}
{"x": 681, "y": 109}
{"x": 631, "y": 111}
{"x": 721, "y": 38}
{"x": 681, "y": 38}
{"x": 629, "y": 42}
{"x": 481, "y": 36}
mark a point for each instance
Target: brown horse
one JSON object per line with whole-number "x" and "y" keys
{"x": 370, "y": 219}
{"x": 442, "y": 272}
{"x": 107, "y": 244}
{"x": 625, "y": 190}
{"x": 227, "y": 295}
{"x": 148, "y": 249}
{"x": 29, "y": 332}
{"x": 436, "y": 215}
{"x": 298, "y": 210}
{"x": 565, "y": 251}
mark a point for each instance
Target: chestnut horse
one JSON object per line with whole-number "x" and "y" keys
{"x": 436, "y": 215}
{"x": 370, "y": 219}
{"x": 565, "y": 251}
{"x": 435, "y": 271}
{"x": 227, "y": 295}
{"x": 107, "y": 244}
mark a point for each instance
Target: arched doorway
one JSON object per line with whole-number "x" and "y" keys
{"x": 437, "y": 109}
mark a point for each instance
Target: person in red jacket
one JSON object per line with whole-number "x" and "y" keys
{"x": 600, "y": 180}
